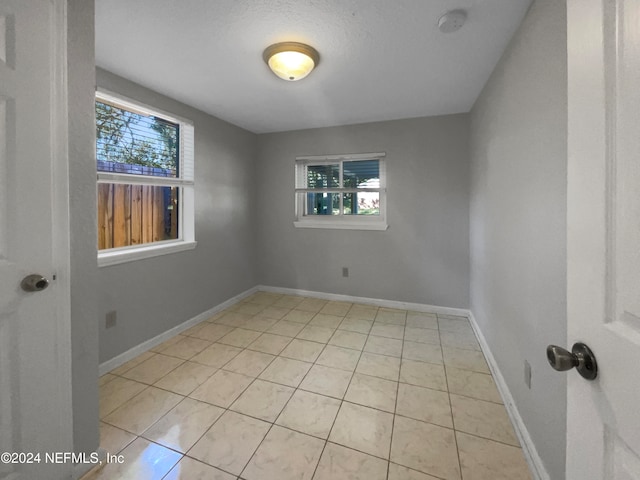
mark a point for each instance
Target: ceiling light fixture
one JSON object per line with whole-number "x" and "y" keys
{"x": 291, "y": 61}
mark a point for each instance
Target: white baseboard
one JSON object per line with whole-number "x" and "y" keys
{"x": 529, "y": 450}
{"x": 115, "y": 362}
{"x": 416, "y": 307}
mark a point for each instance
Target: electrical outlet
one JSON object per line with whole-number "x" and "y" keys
{"x": 345, "y": 271}
{"x": 527, "y": 374}
{"x": 110, "y": 319}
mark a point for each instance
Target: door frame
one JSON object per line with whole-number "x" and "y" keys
{"x": 60, "y": 215}
{"x": 584, "y": 50}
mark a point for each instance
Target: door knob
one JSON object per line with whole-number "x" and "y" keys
{"x": 581, "y": 357}
{"x": 34, "y": 283}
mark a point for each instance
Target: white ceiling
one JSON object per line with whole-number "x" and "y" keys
{"x": 379, "y": 59}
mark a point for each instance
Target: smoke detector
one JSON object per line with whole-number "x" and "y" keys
{"x": 452, "y": 21}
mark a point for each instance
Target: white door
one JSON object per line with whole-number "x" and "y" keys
{"x": 35, "y": 369}
{"x": 603, "y": 426}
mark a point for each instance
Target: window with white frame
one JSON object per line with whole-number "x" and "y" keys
{"x": 341, "y": 191}
{"x": 145, "y": 166}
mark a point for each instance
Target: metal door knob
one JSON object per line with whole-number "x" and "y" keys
{"x": 34, "y": 283}
{"x": 581, "y": 357}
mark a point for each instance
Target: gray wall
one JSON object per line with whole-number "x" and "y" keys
{"x": 518, "y": 224}
{"x": 156, "y": 294}
{"x": 424, "y": 255}
{"x": 83, "y": 234}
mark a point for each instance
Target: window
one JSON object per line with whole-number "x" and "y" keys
{"x": 341, "y": 191}
{"x": 145, "y": 181}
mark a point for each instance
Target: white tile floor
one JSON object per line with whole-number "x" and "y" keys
{"x": 282, "y": 387}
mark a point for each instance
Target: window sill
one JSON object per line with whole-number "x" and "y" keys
{"x": 125, "y": 255}
{"x": 341, "y": 225}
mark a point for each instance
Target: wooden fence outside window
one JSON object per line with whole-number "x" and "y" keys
{"x": 136, "y": 214}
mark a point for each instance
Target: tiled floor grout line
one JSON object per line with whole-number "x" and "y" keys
{"x": 453, "y": 422}
{"x": 342, "y": 400}
{"x": 229, "y": 409}
{"x": 436, "y": 477}
{"x": 308, "y": 323}
{"x": 257, "y": 448}
{"x": 226, "y": 409}
{"x": 272, "y": 424}
{"x": 291, "y": 339}
{"x": 277, "y": 355}
{"x": 395, "y": 408}
{"x": 283, "y": 408}
{"x": 312, "y": 363}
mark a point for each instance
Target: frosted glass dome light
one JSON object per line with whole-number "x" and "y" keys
{"x": 291, "y": 61}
